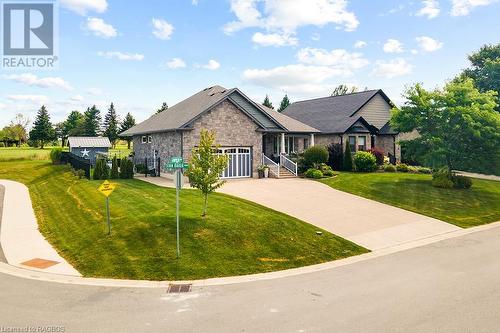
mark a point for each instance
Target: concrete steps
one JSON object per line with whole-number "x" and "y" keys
{"x": 284, "y": 173}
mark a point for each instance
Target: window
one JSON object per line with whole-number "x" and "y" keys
{"x": 361, "y": 142}
{"x": 289, "y": 144}
{"x": 276, "y": 145}
{"x": 150, "y": 139}
{"x": 144, "y": 139}
{"x": 352, "y": 143}
{"x": 306, "y": 143}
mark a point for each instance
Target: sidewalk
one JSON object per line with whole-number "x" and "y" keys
{"x": 23, "y": 245}
{"x": 477, "y": 175}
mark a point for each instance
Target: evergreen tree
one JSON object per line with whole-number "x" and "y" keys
{"x": 92, "y": 121}
{"x": 347, "y": 158}
{"x": 267, "y": 102}
{"x": 343, "y": 89}
{"x": 114, "y": 169}
{"x": 163, "y": 107}
{"x": 284, "y": 103}
{"x": 42, "y": 130}
{"x": 111, "y": 124}
{"x": 127, "y": 123}
{"x": 73, "y": 126}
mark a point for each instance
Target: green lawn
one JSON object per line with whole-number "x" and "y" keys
{"x": 465, "y": 208}
{"x": 238, "y": 237}
{"x": 23, "y": 153}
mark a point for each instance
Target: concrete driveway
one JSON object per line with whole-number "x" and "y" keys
{"x": 366, "y": 222}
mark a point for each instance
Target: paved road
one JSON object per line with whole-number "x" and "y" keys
{"x": 371, "y": 224}
{"x": 2, "y": 191}
{"x": 449, "y": 286}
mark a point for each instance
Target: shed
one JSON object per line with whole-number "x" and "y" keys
{"x": 88, "y": 146}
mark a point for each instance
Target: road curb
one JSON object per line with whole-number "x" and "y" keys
{"x": 66, "y": 279}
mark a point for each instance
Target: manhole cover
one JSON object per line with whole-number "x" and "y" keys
{"x": 40, "y": 263}
{"x": 178, "y": 288}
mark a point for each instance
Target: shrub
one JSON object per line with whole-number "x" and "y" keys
{"x": 313, "y": 173}
{"x": 335, "y": 156}
{"x": 389, "y": 168}
{"x": 126, "y": 169}
{"x": 424, "y": 170}
{"x": 379, "y": 155}
{"x": 80, "y": 173}
{"x": 55, "y": 155}
{"x": 461, "y": 182}
{"x": 347, "y": 158}
{"x": 101, "y": 169}
{"x": 2, "y": 144}
{"x": 365, "y": 162}
{"x": 325, "y": 168}
{"x": 114, "y": 169}
{"x": 412, "y": 169}
{"x": 401, "y": 167}
{"x": 140, "y": 168}
{"x": 315, "y": 155}
{"x": 328, "y": 173}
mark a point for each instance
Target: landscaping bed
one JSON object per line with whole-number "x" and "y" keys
{"x": 237, "y": 237}
{"x": 465, "y": 208}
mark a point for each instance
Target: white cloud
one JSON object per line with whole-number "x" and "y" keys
{"x": 315, "y": 37}
{"x": 359, "y": 44}
{"x": 83, "y": 6}
{"x": 176, "y": 63}
{"x": 430, "y": 9}
{"x": 35, "y": 99}
{"x": 464, "y": 7}
{"x": 2, "y": 106}
{"x": 428, "y": 44}
{"x": 274, "y": 39}
{"x": 77, "y": 98}
{"x": 94, "y": 91}
{"x": 33, "y": 80}
{"x": 121, "y": 55}
{"x": 392, "y": 68}
{"x": 286, "y": 18}
{"x": 194, "y": 2}
{"x": 162, "y": 29}
{"x": 100, "y": 28}
{"x": 212, "y": 65}
{"x": 393, "y": 46}
{"x": 338, "y": 59}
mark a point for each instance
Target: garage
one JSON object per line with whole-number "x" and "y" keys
{"x": 239, "y": 164}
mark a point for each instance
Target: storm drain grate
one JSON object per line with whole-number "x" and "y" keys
{"x": 178, "y": 288}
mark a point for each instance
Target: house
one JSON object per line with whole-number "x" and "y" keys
{"x": 252, "y": 134}
{"x": 360, "y": 119}
{"x": 88, "y": 147}
{"x": 249, "y": 133}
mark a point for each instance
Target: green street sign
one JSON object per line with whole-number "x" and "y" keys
{"x": 176, "y": 163}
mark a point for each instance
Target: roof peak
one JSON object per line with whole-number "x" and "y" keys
{"x": 353, "y": 93}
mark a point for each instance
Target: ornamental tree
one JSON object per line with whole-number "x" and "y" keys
{"x": 206, "y": 166}
{"x": 458, "y": 126}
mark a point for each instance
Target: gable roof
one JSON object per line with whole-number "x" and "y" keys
{"x": 290, "y": 124}
{"x": 333, "y": 114}
{"x": 89, "y": 141}
{"x": 179, "y": 116}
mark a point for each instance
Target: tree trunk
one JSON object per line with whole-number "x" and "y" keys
{"x": 128, "y": 144}
{"x": 205, "y": 206}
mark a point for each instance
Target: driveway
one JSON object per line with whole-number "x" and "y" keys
{"x": 366, "y": 222}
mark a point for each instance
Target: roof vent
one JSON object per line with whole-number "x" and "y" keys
{"x": 223, "y": 91}
{"x": 212, "y": 94}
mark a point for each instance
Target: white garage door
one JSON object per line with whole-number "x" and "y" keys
{"x": 240, "y": 162}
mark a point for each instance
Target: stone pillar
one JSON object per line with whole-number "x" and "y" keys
{"x": 312, "y": 140}
{"x": 282, "y": 148}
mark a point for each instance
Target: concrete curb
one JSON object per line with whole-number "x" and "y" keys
{"x": 66, "y": 279}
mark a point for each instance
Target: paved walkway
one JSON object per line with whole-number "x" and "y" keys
{"x": 22, "y": 243}
{"x": 478, "y": 175}
{"x": 366, "y": 222}
{"x": 2, "y": 190}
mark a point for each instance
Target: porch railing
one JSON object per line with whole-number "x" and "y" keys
{"x": 273, "y": 166}
{"x": 288, "y": 164}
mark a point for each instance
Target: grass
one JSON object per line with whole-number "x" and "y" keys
{"x": 238, "y": 237}
{"x": 24, "y": 153}
{"x": 414, "y": 192}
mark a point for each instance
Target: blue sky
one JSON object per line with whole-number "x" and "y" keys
{"x": 139, "y": 54}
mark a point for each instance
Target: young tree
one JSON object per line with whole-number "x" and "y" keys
{"x": 284, "y": 103}
{"x": 347, "y": 158}
{"x": 343, "y": 89}
{"x": 91, "y": 121}
{"x": 42, "y": 130}
{"x": 267, "y": 102}
{"x": 485, "y": 69}
{"x": 111, "y": 124}
{"x": 205, "y": 166}
{"x": 163, "y": 107}
{"x": 458, "y": 125}
{"x": 127, "y": 123}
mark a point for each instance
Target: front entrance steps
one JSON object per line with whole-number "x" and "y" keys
{"x": 284, "y": 173}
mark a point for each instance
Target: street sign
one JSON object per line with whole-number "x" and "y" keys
{"x": 176, "y": 163}
{"x": 106, "y": 188}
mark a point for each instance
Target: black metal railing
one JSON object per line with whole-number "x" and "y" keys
{"x": 76, "y": 162}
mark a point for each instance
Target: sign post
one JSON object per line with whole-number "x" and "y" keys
{"x": 107, "y": 188}
{"x": 177, "y": 164}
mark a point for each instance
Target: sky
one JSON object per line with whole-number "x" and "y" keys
{"x": 139, "y": 54}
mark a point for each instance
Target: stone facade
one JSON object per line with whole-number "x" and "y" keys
{"x": 167, "y": 144}
{"x": 233, "y": 128}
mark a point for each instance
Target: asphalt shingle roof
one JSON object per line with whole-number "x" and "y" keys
{"x": 292, "y": 125}
{"x": 89, "y": 141}
{"x": 334, "y": 114}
